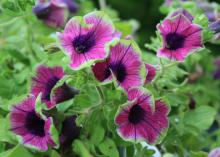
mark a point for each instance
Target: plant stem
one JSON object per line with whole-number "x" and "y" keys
{"x": 99, "y": 89}
{"x": 102, "y": 4}
{"x": 13, "y": 20}
{"x": 30, "y": 40}
{"x": 122, "y": 151}
{"x": 163, "y": 68}
{"x": 161, "y": 73}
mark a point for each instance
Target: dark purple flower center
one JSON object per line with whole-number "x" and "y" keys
{"x": 83, "y": 43}
{"x": 174, "y": 41}
{"x": 216, "y": 74}
{"x": 136, "y": 114}
{"x": 72, "y": 6}
{"x": 42, "y": 11}
{"x": 34, "y": 124}
{"x": 107, "y": 73}
{"x": 119, "y": 70}
{"x": 49, "y": 86}
{"x": 69, "y": 132}
{"x": 64, "y": 93}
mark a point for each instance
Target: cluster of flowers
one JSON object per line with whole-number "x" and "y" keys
{"x": 210, "y": 10}
{"x": 92, "y": 41}
{"x": 29, "y": 121}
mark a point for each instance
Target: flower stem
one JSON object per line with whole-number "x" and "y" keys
{"x": 4, "y": 24}
{"x": 30, "y": 40}
{"x": 99, "y": 89}
{"x": 102, "y": 4}
{"x": 163, "y": 68}
{"x": 122, "y": 151}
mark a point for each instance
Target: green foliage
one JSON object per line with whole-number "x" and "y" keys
{"x": 202, "y": 117}
{"x": 16, "y": 151}
{"x": 26, "y": 42}
{"x": 108, "y": 148}
{"x": 81, "y": 149}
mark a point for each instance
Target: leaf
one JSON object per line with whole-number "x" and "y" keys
{"x": 127, "y": 27}
{"x": 80, "y": 149}
{"x": 97, "y": 134}
{"x": 55, "y": 154}
{"x": 62, "y": 107}
{"x": 80, "y": 119}
{"x": 143, "y": 151}
{"x": 17, "y": 55}
{"x": 108, "y": 148}
{"x": 5, "y": 134}
{"x": 19, "y": 150}
{"x": 82, "y": 101}
{"x": 88, "y": 96}
{"x": 202, "y": 117}
{"x": 55, "y": 135}
{"x": 199, "y": 154}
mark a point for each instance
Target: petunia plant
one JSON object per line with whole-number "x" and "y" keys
{"x": 77, "y": 80}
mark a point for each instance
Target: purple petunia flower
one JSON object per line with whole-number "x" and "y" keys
{"x": 53, "y": 12}
{"x": 72, "y": 5}
{"x": 85, "y": 40}
{"x": 139, "y": 119}
{"x": 46, "y": 80}
{"x": 216, "y": 74}
{"x": 151, "y": 73}
{"x": 124, "y": 64}
{"x": 169, "y": 2}
{"x": 183, "y": 12}
{"x": 215, "y": 26}
{"x": 69, "y": 132}
{"x": 215, "y": 152}
{"x": 209, "y": 9}
{"x": 34, "y": 129}
{"x": 180, "y": 38}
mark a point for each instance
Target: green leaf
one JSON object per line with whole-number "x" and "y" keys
{"x": 19, "y": 150}
{"x": 82, "y": 101}
{"x": 98, "y": 134}
{"x": 80, "y": 149}
{"x": 127, "y": 27}
{"x": 108, "y": 148}
{"x": 62, "y": 107}
{"x": 55, "y": 135}
{"x": 202, "y": 117}
{"x": 55, "y": 154}
{"x": 80, "y": 119}
{"x": 17, "y": 55}
{"x": 198, "y": 154}
{"x": 5, "y": 134}
{"x": 143, "y": 151}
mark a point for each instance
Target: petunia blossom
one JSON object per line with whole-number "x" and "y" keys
{"x": 45, "y": 80}
{"x": 34, "y": 129}
{"x": 124, "y": 64}
{"x": 71, "y": 5}
{"x": 215, "y": 152}
{"x": 210, "y": 10}
{"x": 151, "y": 73}
{"x": 69, "y": 132}
{"x": 53, "y": 12}
{"x": 215, "y": 26}
{"x": 86, "y": 39}
{"x": 139, "y": 119}
{"x": 180, "y": 38}
{"x": 183, "y": 12}
{"x": 216, "y": 74}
